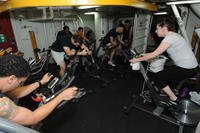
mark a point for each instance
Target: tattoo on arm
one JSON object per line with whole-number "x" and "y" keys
{"x": 8, "y": 108}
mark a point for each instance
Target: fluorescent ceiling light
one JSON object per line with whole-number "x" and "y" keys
{"x": 160, "y": 13}
{"x": 183, "y": 2}
{"x": 86, "y": 7}
{"x": 63, "y": 7}
{"x": 89, "y": 13}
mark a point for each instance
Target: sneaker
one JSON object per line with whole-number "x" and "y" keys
{"x": 173, "y": 103}
{"x": 111, "y": 63}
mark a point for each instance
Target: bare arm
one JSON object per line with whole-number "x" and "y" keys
{"x": 73, "y": 41}
{"x": 86, "y": 39}
{"x": 84, "y": 47}
{"x": 9, "y": 50}
{"x": 119, "y": 38}
{"x": 83, "y": 52}
{"x": 89, "y": 52}
{"x": 82, "y": 35}
{"x": 8, "y": 109}
{"x": 25, "y": 116}
{"x": 161, "y": 48}
{"x": 25, "y": 90}
{"x": 112, "y": 40}
{"x": 2, "y": 52}
{"x": 68, "y": 51}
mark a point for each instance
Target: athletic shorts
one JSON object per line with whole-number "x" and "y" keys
{"x": 58, "y": 56}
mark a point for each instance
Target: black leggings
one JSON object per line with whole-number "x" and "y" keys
{"x": 171, "y": 75}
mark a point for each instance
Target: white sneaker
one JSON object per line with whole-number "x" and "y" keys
{"x": 111, "y": 63}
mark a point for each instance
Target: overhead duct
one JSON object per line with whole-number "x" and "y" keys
{"x": 196, "y": 9}
{"x": 44, "y": 16}
{"x": 180, "y": 22}
{"x": 52, "y": 13}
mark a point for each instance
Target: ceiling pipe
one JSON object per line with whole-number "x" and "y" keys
{"x": 43, "y": 17}
{"x": 183, "y": 2}
{"x": 44, "y": 12}
{"x": 51, "y": 13}
{"x": 180, "y": 22}
{"x": 51, "y": 16}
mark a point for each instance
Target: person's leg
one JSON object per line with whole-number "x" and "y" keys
{"x": 169, "y": 75}
{"x": 59, "y": 59}
{"x": 161, "y": 81}
{"x": 163, "y": 78}
{"x": 112, "y": 54}
{"x": 62, "y": 68}
{"x": 169, "y": 93}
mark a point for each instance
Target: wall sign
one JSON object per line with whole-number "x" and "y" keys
{"x": 2, "y": 38}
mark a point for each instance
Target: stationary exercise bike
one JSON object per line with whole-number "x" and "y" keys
{"x": 46, "y": 92}
{"x": 54, "y": 88}
{"x": 91, "y": 64}
{"x": 92, "y": 67}
{"x": 40, "y": 67}
{"x": 56, "y": 85}
{"x": 102, "y": 54}
{"x": 186, "y": 113}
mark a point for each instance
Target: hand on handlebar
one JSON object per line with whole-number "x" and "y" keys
{"x": 84, "y": 52}
{"x": 135, "y": 59}
{"x": 89, "y": 52}
{"x": 46, "y": 78}
{"x": 9, "y": 50}
{"x": 69, "y": 93}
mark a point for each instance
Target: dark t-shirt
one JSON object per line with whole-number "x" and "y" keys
{"x": 111, "y": 33}
{"x": 126, "y": 34}
{"x": 61, "y": 40}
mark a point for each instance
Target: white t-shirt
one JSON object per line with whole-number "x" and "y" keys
{"x": 180, "y": 51}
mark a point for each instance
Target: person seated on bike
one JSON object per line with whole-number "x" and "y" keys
{"x": 128, "y": 32}
{"x": 57, "y": 48}
{"x": 14, "y": 72}
{"x": 90, "y": 35}
{"x": 75, "y": 46}
{"x": 179, "y": 51}
{"x": 81, "y": 34}
{"x": 10, "y": 50}
{"x": 112, "y": 41}
{"x": 5, "y": 51}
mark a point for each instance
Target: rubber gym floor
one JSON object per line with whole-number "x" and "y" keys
{"x": 101, "y": 110}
